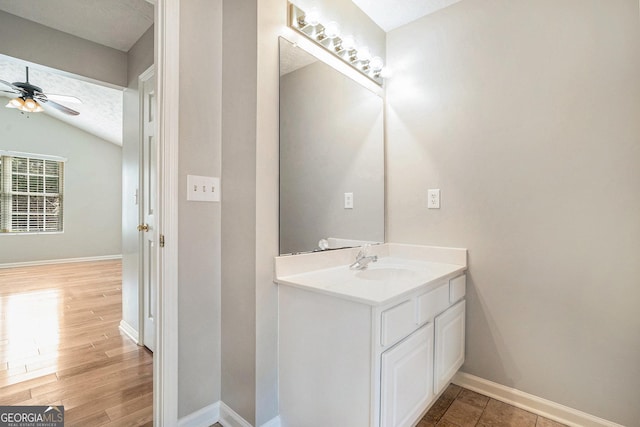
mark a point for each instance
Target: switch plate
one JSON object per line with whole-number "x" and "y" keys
{"x": 433, "y": 199}
{"x": 348, "y": 200}
{"x": 203, "y": 188}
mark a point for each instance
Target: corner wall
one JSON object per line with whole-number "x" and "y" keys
{"x": 271, "y": 23}
{"x": 239, "y": 246}
{"x": 526, "y": 115}
{"x": 199, "y": 267}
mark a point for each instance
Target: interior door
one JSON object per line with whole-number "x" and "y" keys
{"x": 149, "y": 246}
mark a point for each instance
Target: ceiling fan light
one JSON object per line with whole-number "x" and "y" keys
{"x": 15, "y": 103}
{"x": 30, "y": 104}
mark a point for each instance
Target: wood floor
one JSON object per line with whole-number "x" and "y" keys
{"x": 60, "y": 345}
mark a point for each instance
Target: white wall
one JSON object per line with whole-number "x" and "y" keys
{"x": 91, "y": 190}
{"x": 526, "y": 115}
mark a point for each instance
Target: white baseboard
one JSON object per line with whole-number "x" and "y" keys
{"x": 129, "y": 331}
{"x": 59, "y": 261}
{"x": 274, "y": 422}
{"x": 537, "y": 405}
{"x": 229, "y": 418}
{"x": 202, "y": 418}
{"x": 219, "y": 412}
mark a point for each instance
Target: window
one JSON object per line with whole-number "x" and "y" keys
{"x": 31, "y": 193}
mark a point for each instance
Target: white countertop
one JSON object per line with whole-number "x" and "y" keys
{"x": 382, "y": 281}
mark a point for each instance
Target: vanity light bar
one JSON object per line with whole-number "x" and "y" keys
{"x": 344, "y": 47}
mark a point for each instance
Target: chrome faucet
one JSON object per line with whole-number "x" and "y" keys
{"x": 362, "y": 259}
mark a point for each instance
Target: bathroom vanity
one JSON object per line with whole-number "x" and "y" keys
{"x": 372, "y": 347}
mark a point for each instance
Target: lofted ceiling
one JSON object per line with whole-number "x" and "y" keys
{"x": 114, "y": 23}
{"x": 391, "y": 14}
{"x": 101, "y": 108}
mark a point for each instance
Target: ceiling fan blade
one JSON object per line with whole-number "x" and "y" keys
{"x": 15, "y": 89}
{"x": 48, "y": 103}
{"x": 9, "y": 93}
{"x": 63, "y": 98}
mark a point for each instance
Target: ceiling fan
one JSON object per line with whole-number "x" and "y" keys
{"x": 31, "y": 99}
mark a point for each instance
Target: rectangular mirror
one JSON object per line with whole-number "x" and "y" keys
{"x": 331, "y": 156}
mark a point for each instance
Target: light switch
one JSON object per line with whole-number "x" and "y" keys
{"x": 348, "y": 200}
{"x": 433, "y": 199}
{"x": 203, "y": 188}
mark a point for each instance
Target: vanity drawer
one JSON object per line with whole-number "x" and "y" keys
{"x": 433, "y": 303}
{"x": 398, "y": 322}
{"x": 458, "y": 288}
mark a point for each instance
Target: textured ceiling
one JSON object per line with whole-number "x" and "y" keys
{"x": 101, "y": 108}
{"x": 114, "y": 23}
{"x": 391, "y": 14}
{"x": 292, "y": 57}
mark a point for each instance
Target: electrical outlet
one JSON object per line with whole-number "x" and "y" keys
{"x": 348, "y": 200}
{"x": 433, "y": 199}
{"x": 203, "y": 188}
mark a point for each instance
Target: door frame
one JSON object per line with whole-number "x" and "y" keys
{"x": 165, "y": 363}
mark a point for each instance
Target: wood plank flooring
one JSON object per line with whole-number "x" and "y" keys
{"x": 60, "y": 345}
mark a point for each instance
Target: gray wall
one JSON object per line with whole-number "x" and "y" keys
{"x": 139, "y": 59}
{"x": 91, "y": 189}
{"x": 199, "y": 222}
{"x": 239, "y": 74}
{"x": 526, "y": 115}
{"x": 61, "y": 51}
{"x": 331, "y": 142}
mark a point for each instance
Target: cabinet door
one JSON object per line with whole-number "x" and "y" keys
{"x": 407, "y": 379}
{"x": 449, "y": 338}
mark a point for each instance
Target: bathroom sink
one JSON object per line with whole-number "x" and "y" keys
{"x": 384, "y": 272}
{"x": 388, "y": 278}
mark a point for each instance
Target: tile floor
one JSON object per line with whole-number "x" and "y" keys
{"x": 459, "y": 407}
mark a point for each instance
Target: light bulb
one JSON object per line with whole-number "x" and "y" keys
{"x": 332, "y": 30}
{"x": 348, "y": 43}
{"x": 30, "y": 104}
{"x": 364, "y": 54}
{"x": 15, "y": 103}
{"x": 376, "y": 64}
{"x": 386, "y": 73}
{"x": 312, "y": 17}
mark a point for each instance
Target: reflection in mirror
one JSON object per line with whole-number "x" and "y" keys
{"x": 331, "y": 150}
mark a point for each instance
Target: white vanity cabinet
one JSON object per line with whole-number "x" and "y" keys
{"x": 406, "y": 385}
{"x": 449, "y": 347}
{"x": 348, "y": 363}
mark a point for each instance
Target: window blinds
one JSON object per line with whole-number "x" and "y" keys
{"x": 31, "y": 193}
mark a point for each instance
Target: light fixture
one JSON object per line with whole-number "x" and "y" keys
{"x": 328, "y": 36}
{"x": 26, "y": 104}
{"x": 332, "y": 30}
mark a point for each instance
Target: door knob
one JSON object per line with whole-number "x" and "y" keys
{"x": 143, "y": 227}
